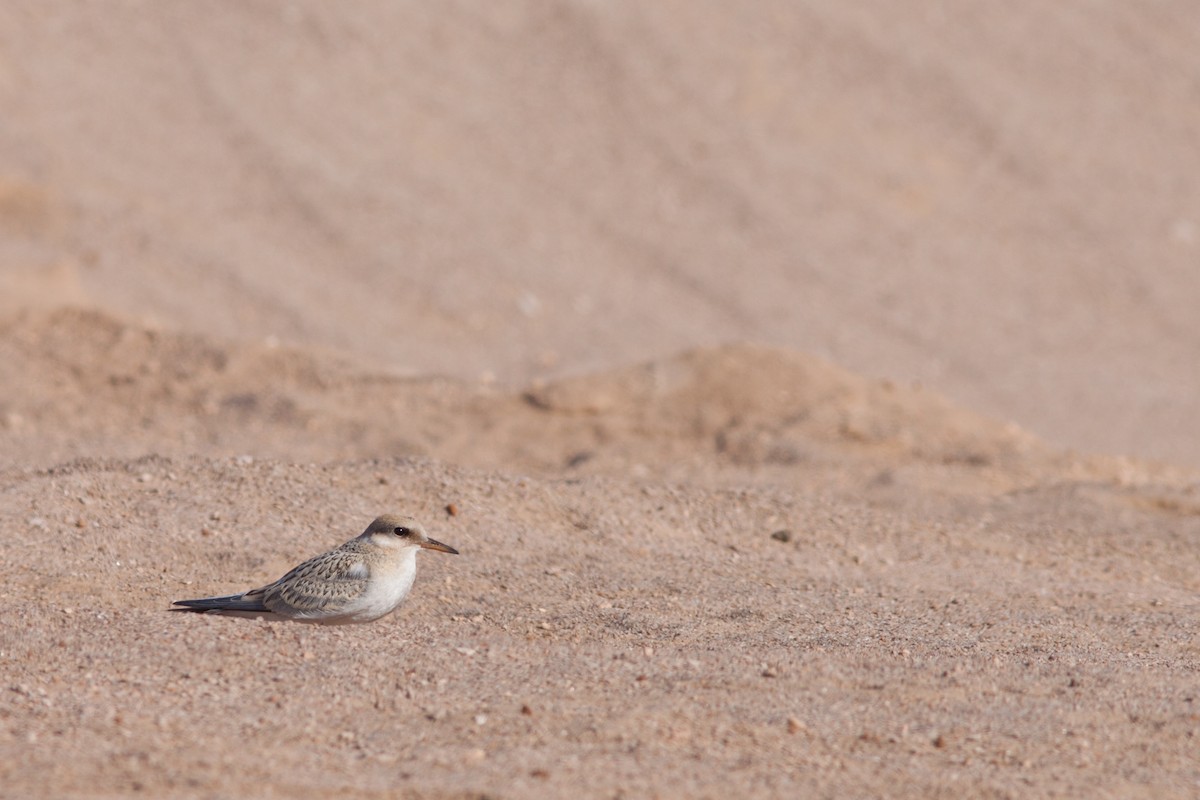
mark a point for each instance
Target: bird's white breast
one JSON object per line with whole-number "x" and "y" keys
{"x": 387, "y": 587}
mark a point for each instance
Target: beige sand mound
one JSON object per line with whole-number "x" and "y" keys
{"x": 85, "y": 383}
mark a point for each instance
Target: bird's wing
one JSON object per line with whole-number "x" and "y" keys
{"x": 320, "y": 586}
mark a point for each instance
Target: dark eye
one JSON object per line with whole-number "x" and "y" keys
{"x": 402, "y": 531}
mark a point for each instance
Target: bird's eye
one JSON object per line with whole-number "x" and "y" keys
{"x": 402, "y": 531}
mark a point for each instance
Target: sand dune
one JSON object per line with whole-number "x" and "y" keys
{"x": 992, "y": 201}
{"x": 116, "y": 386}
{"x": 809, "y": 390}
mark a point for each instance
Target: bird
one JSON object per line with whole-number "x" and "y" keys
{"x": 364, "y": 579}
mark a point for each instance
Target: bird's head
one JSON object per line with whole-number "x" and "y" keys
{"x": 394, "y": 530}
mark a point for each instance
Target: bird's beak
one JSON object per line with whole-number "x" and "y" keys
{"x": 430, "y": 544}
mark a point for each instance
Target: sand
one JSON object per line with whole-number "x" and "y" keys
{"x": 809, "y": 393}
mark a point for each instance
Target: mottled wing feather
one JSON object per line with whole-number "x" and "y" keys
{"x": 319, "y": 586}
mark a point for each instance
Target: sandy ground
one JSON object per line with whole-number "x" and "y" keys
{"x": 809, "y": 394}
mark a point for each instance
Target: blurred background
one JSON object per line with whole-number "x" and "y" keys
{"x": 998, "y": 202}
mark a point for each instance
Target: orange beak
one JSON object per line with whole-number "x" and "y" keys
{"x": 430, "y": 544}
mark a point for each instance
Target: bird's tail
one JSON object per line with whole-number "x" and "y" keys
{"x": 233, "y": 602}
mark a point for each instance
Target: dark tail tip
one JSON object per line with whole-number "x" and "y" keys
{"x": 232, "y": 603}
